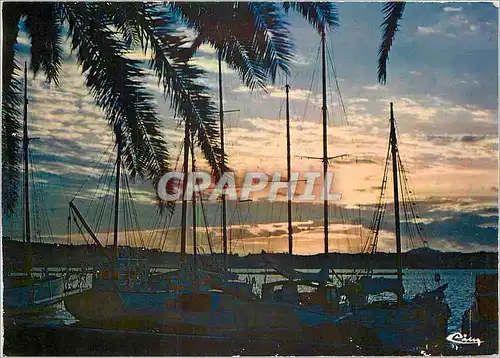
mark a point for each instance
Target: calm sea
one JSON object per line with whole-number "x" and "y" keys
{"x": 459, "y": 293}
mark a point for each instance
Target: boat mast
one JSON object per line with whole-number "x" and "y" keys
{"x": 221, "y": 118}
{"x": 288, "y": 169}
{"x": 27, "y": 229}
{"x": 325, "y": 139}
{"x": 184, "y": 187}
{"x": 394, "y": 151}
{"x": 117, "y": 196}
{"x": 195, "y": 253}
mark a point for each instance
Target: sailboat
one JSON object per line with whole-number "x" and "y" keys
{"x": 401, "y": 324}
{"x": 125, "y": 293}
{"x": 215, "y": 302}
{"x": 27, "y": 293}
{"x": 321, "y": 303}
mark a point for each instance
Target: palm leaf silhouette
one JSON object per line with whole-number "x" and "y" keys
{"x": 393, "y": 12}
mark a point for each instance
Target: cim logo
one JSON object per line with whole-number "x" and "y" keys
{"x": 462, "y": 339}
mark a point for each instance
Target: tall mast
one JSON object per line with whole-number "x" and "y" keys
{"x": 221, "y": 118}
{"x": 394, "y": 151}
{"x": 195, "y": 252}
{"x": 184, "y": 187}
{"x": 27, "y": 229}
{"x": 288, "y": 171}
{"x": 325, "y": 140}
{"x": 117, "y": 196}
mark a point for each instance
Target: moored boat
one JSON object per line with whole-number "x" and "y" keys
{"x": 27, "y": 292}
{"x": 400, "y": 324}
{"x": 125, "y": 292}
{"x": 480, "y": 320}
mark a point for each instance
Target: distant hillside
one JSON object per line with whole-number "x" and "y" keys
{"x": 424, "y": 251}
{"x": 89, "y": 256}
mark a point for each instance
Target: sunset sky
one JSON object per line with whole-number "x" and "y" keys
{"x": 442, "y": 79}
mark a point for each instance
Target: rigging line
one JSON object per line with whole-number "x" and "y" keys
{"x": 37, "y": 202}
{"x": 247, "y": 213}
{"x": 414, "y": 208}
{"x": 334, "y": 71}
{"x": 151, "y": 225}
{"x": 110, "y": 225}
{"x": 127, "y": 202}
{"x": 126, "y": 218}
{"x": 165, "y": 231}
{"x": 206, "y": 223}
{"x": 181, "y": 148}
{"x": 134, "y": 211}
{"x": 293, "y": 111}
{"x": 215, "y": 223}
{"x": 410, "y": 228}
{"x": 124, "y": 228}
{"x": 104, "y": 208}
{"x": 166, "y": 227}
{"x": 413, "y": 197}
{"x": 160, "y": 227}
{"x": 135, "y": 233}
{"x": 40, "y": 201}
{"x": 108, "y": 199}
{"x": 33, "y": 208}
{"x": 69, "y": 242}
{"x": 102, "y": 203}
{"x": 81, "y": 231}
{"x": 177, "y": 238}
{"x": 292, "y": 79}
{"x": 381, "y": 205}
{"x": 92, "y": 171}
{"x": 381, "y": 201}
{"x": 409, "y": 241}
{"x": 99, "y": 213}
{"x": 342, "y": 105}
{"x": 344, "y": 221}
{"x": 240, "y": 221}
{"x": 316, "y": 65}
{"x": 153, "y": 221}
{"x": 156, "y": 229}
{"x": 100, "y": 184}
{"x": 281, "y": 108}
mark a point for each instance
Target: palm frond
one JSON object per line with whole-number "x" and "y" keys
{"x": 253, "y": 38}
{"x": 11, "y": 105}
{"x": 219, "y": 26}
{"x": 188, "y": 99}
{"x": 272, "y": 37}
{"x": 319, "y": 14}
{"x": 44, "y": 26}
{"x": 117, "y": 85}
{"x": 241, "y": 57}
{"x": 121, "y": 14}
{"x": 393, "y": 12}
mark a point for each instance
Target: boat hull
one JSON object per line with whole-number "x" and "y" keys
{"x": 480, "y": 320}
{"x": 199, "y": 313}
{"x": 116, "y": 307}
{"x": 407, "y": 328}
{"x": 32, "y": 295}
